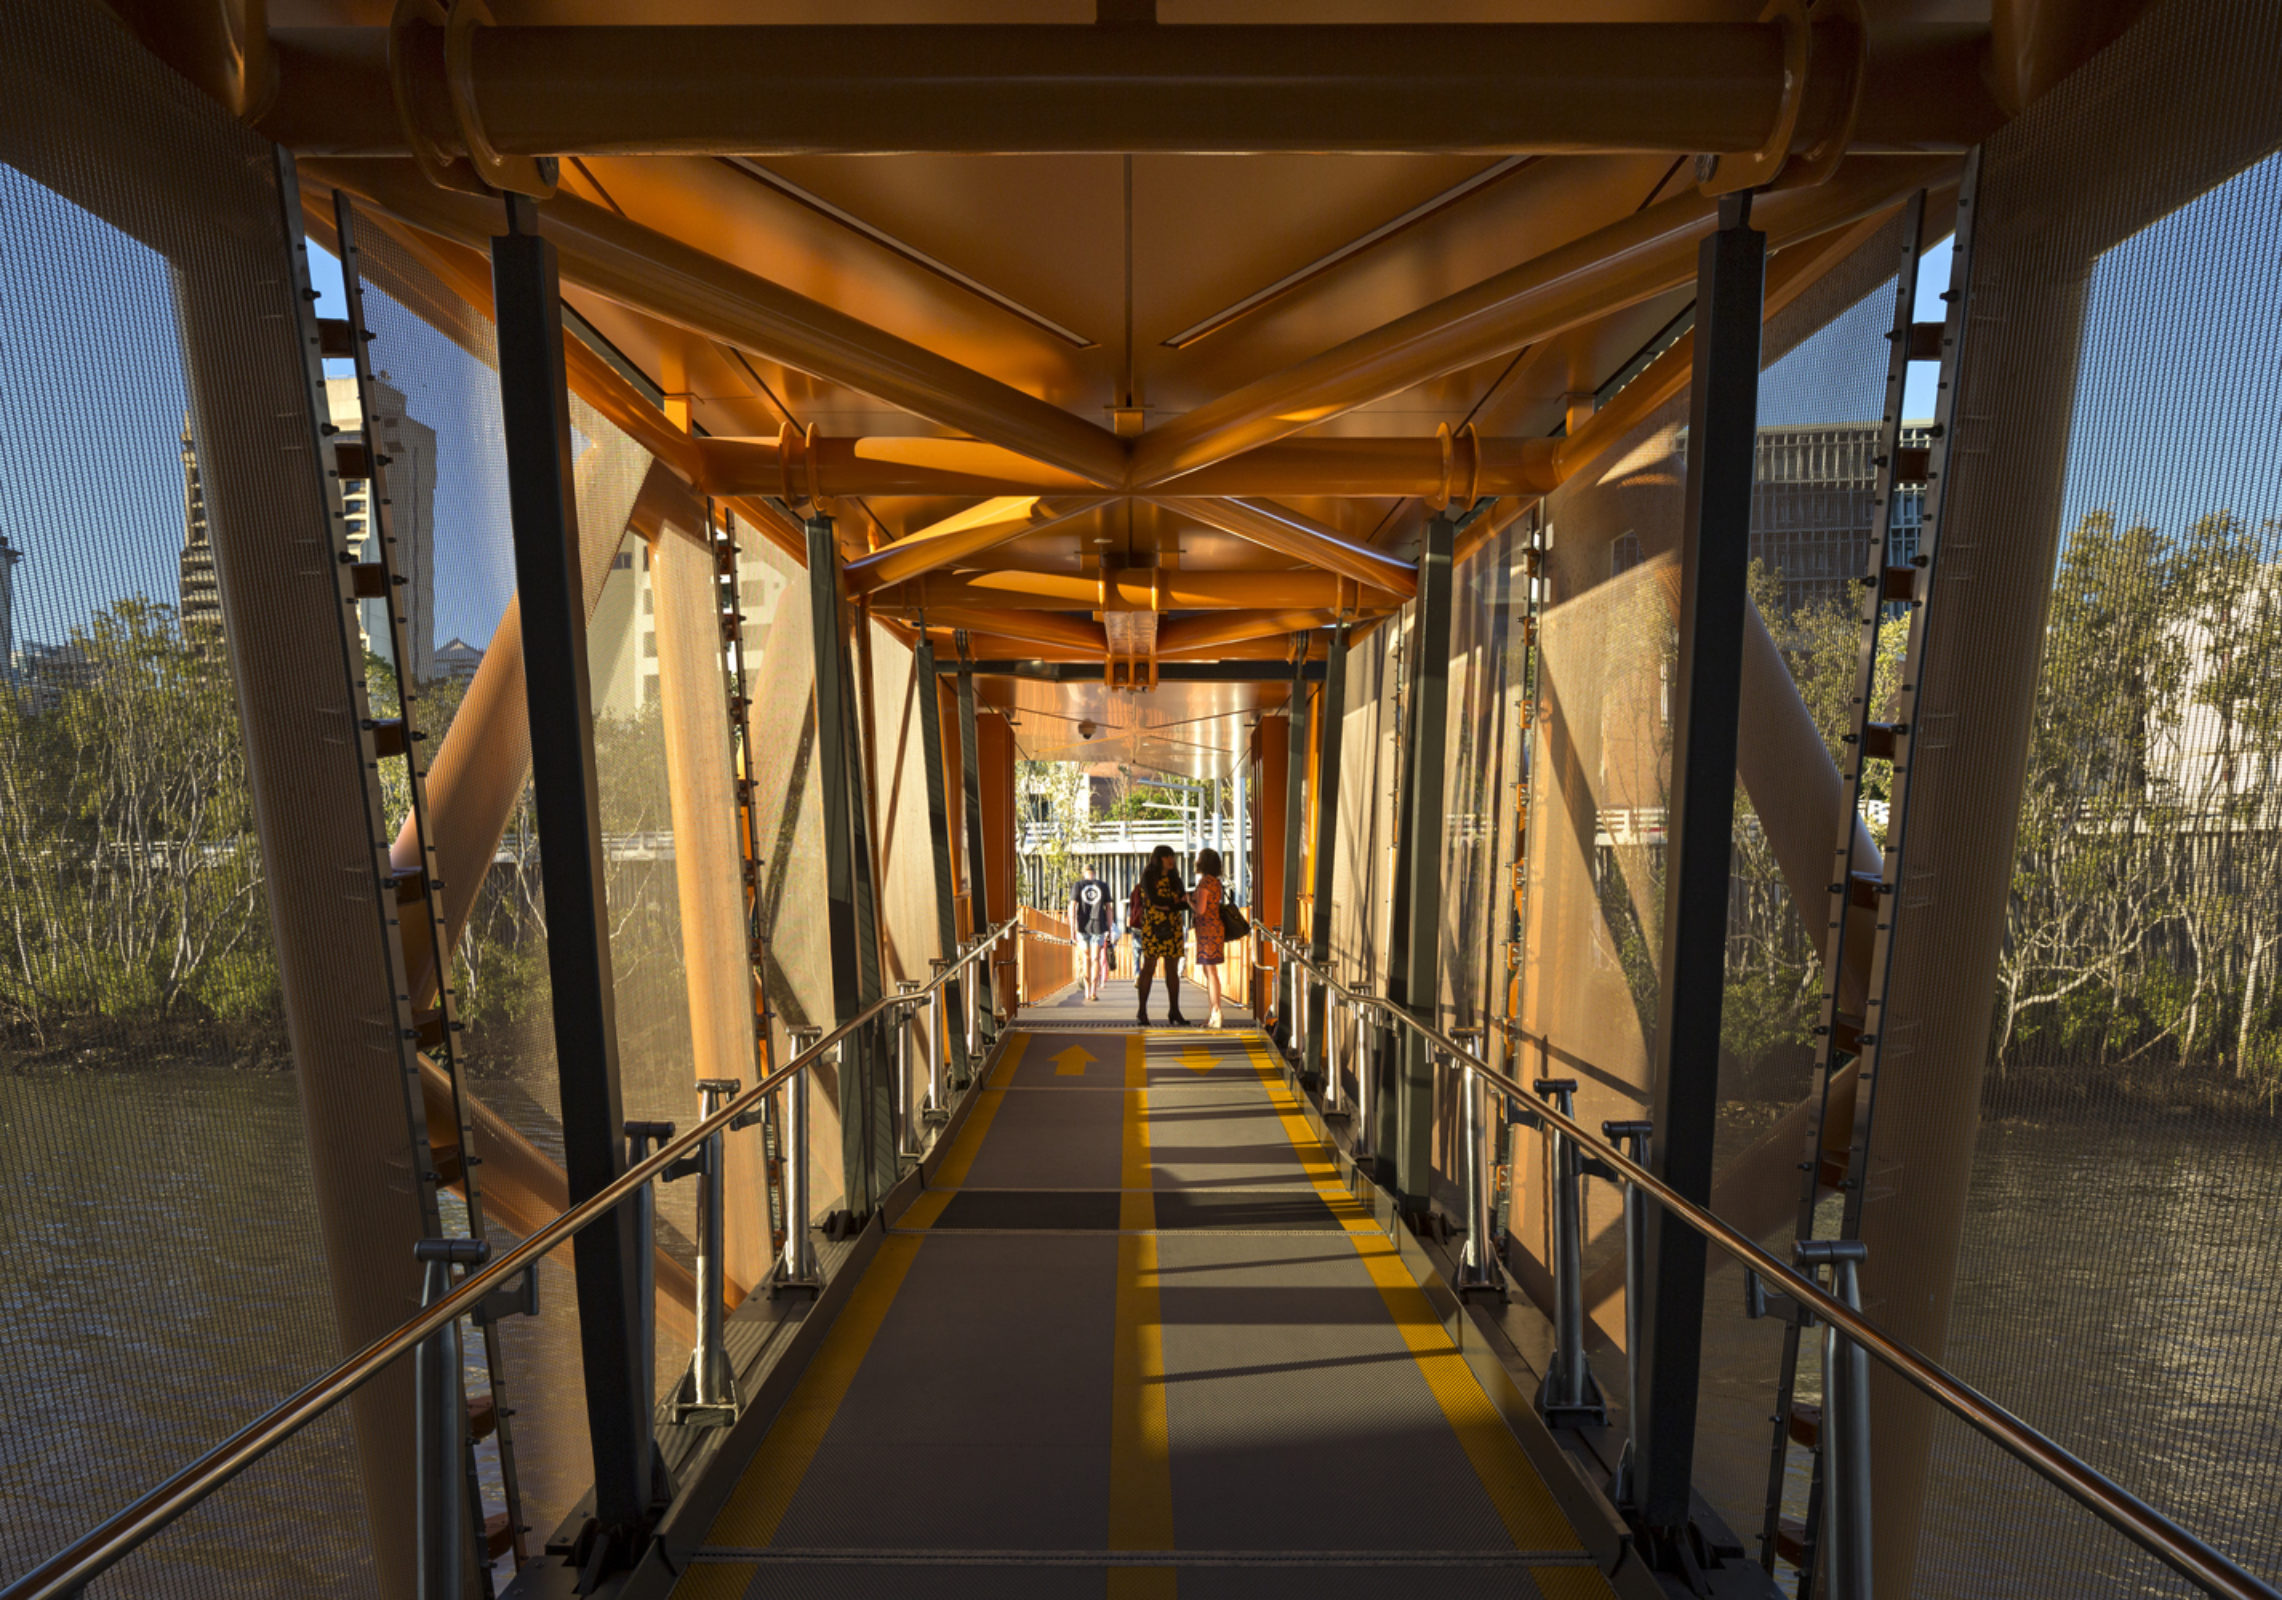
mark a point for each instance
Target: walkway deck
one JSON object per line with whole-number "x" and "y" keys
{"x": 1136, "y": 1337}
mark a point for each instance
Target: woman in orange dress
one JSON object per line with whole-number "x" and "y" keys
{"x": 1204, "y": 901}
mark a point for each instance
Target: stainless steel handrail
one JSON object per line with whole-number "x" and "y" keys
{"x": 2191, "y": 1557}
{"x": 66, "y": 1572}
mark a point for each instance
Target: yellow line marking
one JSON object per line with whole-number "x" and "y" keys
{"x": 1140, "y": 1438}
{"x": 952, "y": 1174}
{"x": 1523, "y": 1502}
{"x": 759, "y": 1501}
{"x": 1137, "y": 1208}
{"x": 722, "y": 1580}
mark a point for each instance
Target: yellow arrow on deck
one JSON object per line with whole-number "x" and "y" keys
{"x": 1197, "y": 1060}
{"x": 1072, "y": 1063}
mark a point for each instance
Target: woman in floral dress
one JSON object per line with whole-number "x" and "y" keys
{"x": 1204, "y": 901}
{"x": 1162, "y": 902}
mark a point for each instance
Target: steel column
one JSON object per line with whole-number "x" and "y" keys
{"x": 1714, "y": 557}
{"x": 1295, "y": 824}
{"x": 1414, "y": 957}
{"x": 1334, "y": 703}
{"x": 865, "y": 1145}
{"x": 939, "y": 839}
{"x": 543, "y": 505}
{"x": 973, "y": 991}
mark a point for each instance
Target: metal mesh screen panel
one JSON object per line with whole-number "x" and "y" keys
{"x": 2115, "y": 1203}
{"x": 166, "y": 1276}
{"x": 788, "y": 802}
{"x": 436, "y": 358}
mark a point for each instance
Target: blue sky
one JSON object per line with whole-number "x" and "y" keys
{"x": 2179, "y": 413}
{"x": 92, "y": 400}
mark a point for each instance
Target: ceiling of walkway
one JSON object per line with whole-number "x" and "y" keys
{"x": 1085, "y": 380}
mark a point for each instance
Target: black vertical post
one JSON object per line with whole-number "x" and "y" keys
{"x": 939, "y": 835}
{"x": 1334, "y": 705}
{"x": 1295, "y": 824}
{"x": 1414, "y": 969}
{"x": 543, "y": 504}
{"x": 1714, "y": 557}
{"x": 971, "y": 770}
{"x": 846, "y": 877}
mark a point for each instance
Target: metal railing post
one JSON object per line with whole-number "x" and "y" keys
{"x": 1478, "y": 1268}
{"x": 797, "y": 1269}
{"x": 1302, "y": 982}
{"x": 640, "y": 1136}
{"x": 1331, "y": 1084}
{"x": 1845, "y": 1427}
{"x": 1569, "y": 1393}
{"x": 935, "y": 1040}
{"x": 1365, "y": 1090}
{"x": 440, "y": 1427}
{"x": 968, "y": 983}
{"x": 1635, "y": 1139}
{"x": 906, "y": 1116}
{"x": 707, "y": 1397}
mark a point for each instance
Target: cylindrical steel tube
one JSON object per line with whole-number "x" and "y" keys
{"x": 1366, "y": 1069}
{"x": 709, "y": 1365}
{"x": 1571, "y": 1375}
{"x": 906, "y": 1115}
{"x": 1483, "y": 1269}
{"x": 1330, "y": 1054}
{"x": 440, "y": 1428}
{"x": 799, "y": 1265}
{"x": 935, "y": 1036}
{"x": 1846, "y": 1515}
{"x": 1634, "y": 1136}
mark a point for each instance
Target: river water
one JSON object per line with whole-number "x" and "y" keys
{"x": 2121, "y": 1287}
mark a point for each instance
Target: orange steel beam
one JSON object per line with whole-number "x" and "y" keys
{"x": 1678, "y": 88}
{"x": 1190, "y": 635}
{"x": 1281, "y": 529}
{"x": 656, "y": 273}
{"x": 592, "y": 379}
{"x": 1629, "y": 261}
{"x": 970, "y": 532}
{"x": 1167, "y": 589}
{"x": 1032, "y": 627}
{"x": 1353, "y": 468}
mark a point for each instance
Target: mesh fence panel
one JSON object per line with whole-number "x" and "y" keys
{"x": 435, "y": 355}
{"x": 2118, "y": 1279}
{"x": 165, "y": 1276}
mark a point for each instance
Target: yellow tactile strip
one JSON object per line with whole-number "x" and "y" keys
{"x": 1524, "y": 1504}
{"x": 1140, "y": 1437}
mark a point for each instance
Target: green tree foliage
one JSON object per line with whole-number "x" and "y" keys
{"x": 2142, "y": 927}
{"x": 131, "y": 892}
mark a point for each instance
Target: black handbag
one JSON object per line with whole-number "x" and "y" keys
{"x": 1233, "y": 923}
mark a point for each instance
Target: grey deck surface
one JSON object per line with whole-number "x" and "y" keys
{"x": 1137, "y": 1341}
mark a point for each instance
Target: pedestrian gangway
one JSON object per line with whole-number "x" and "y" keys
{"x": 1137, "y": 1322}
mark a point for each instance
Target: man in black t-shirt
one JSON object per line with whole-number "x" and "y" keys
{"x": 1093, "y": 924}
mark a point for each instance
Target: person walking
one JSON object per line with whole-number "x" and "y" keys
{"x": 1204, "y": 905}
{"x": 1093, "y": 928}
{"x": 1162, "y": 901}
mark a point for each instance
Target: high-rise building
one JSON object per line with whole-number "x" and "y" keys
{"x": 406, "y": 447}
{"x": 9, "y": 556}
{"x": 198, "y": 591}
{"x": 1812, "y": 495}
{"x": 1812, "y": 500}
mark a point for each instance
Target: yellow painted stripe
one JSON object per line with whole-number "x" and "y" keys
{"x": 1137, "y": 1208}
{"x": 722, "y": 1580}
{"x": 1523, "y": 1502}
{"x": 1009, "y": 1059}
{"x": 1140, "y": 1438}
{"x": 758, "y": 1503}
